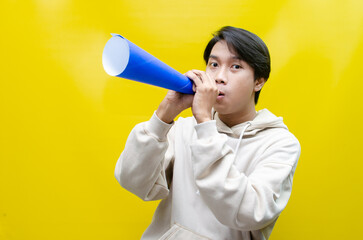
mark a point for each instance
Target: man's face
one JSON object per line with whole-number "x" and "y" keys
{"x": 234, "y": 79}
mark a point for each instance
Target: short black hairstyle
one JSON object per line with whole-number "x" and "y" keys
{"x": 248, "y": 46}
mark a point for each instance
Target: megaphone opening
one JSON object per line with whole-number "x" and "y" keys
{"x": 116, "y": 55}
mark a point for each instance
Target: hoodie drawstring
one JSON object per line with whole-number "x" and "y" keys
{"x": 240, "y": 139}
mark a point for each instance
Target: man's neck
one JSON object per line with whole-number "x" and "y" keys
{"x": 233, "y": 119}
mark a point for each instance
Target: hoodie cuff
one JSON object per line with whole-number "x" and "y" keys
{"x": 157, "y": 128}
{"x": 206, "y": 129}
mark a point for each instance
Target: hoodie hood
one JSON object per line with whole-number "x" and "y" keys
{"x": 264, "y": 119}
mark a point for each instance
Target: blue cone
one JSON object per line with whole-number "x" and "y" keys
{"x": 122, "y": 58}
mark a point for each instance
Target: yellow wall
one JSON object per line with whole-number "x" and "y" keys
{"x": 64, "y": 121}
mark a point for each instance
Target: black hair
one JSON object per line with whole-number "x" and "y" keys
{"x": 248, "y": 46}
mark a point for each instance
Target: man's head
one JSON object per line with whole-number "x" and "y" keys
{"x": 248, "y": 47}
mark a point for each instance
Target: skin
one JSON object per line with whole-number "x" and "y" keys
{"x": 228, "y": 85}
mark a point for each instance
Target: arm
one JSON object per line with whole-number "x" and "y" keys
{"x": 142, "y": 166}
{"x": 237, "y": 200}
{"x": 145, "y": 166}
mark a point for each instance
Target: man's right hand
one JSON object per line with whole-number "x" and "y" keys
{"x": 173, "y": 104}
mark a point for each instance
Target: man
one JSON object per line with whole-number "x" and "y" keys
{"x": 226, "y": 172}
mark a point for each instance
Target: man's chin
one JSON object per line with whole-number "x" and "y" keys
{"x": 219, "y": 109}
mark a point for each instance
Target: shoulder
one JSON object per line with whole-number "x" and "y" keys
{"x": 282, "y": 146}
{"x": 280, "y": 137}
{"x": 273, "y": 128}
{"x": 290, "y": 140}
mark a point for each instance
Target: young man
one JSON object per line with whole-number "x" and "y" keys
{"x": 226, "y": 172}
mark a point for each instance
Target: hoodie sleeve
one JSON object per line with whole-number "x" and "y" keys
{"x": 144, "y": 165}
{"x": 239, "y": 201}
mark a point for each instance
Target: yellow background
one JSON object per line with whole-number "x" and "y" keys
{"x": 64, "y": 121}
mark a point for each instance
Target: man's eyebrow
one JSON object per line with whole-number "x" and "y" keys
{"x": 216, "y": 57}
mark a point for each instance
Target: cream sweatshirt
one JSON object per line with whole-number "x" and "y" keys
{"x": 215, "y": 182}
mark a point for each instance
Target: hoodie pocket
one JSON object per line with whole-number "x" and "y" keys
{"x": 178, "y": 232}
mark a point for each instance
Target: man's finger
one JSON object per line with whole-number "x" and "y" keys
{"x": 194, "y": 77}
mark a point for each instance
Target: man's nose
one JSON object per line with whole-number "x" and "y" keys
{"x": 221, "y": 76}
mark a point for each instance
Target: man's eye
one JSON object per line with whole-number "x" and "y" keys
{"x": 213, "y": 64}
{"x": 236, "y": 67}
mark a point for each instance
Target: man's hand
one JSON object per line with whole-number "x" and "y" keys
{"x": 173, "y": 104}
{"x": 206, "y": 93}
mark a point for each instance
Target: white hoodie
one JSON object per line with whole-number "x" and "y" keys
{"x": 216, "y": 182}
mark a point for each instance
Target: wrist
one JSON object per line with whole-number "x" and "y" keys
{"x": 202, "y": 119}
{"x": 165, "y": 115}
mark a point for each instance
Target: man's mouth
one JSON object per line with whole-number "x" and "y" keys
{"x": 220, "y": 96}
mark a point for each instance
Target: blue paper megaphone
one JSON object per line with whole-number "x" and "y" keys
{"x": 122, "y": 58}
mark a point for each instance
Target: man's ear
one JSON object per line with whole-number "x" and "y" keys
{"x": 259, "y": 84}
